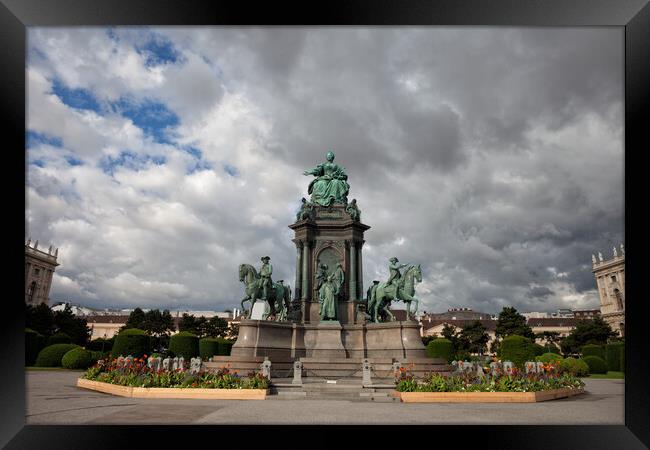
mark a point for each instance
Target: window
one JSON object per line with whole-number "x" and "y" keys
{"x": 37, "y": 271}
{"x": 613, "y": 278}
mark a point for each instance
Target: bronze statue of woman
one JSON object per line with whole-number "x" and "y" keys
{"x": 330, "y": 184}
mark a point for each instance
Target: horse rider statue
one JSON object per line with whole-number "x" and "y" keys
{"x": 265, "y": 277}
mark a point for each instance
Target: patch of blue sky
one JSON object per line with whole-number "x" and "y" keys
{"x": 37, "y": 163}
{"x": 230, "y": 170}
{"x": 154, "y": 118}
{"x": 199, "y": 163}
{"x": 73, "y": 161}
{"x": 129, "y": 160}
{"x": 77, "y": 98}
{"x": 33, "y": 138}
{"x": 158, "y": 50}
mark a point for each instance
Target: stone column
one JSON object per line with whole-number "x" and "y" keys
{"x": 305, "y": 270}
{"x": 353, "y": 271}
{"x": 360, "y": 271}
{"x": 298, "y": 281}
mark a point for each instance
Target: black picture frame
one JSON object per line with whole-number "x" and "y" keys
{"x": 633, "y": 15}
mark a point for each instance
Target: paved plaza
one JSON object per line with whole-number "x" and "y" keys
{"x": 53, "y": 398}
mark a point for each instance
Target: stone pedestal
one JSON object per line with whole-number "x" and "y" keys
{"x": 324, "y": 340}
{"x": 394, "y": 339}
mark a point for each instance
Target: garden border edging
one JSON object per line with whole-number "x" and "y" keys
{"x": 190, "y": 393}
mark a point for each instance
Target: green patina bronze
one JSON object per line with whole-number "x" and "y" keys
{"x": 278, "y": 295}
{"x": 330, "y": 185}
{"x": 353, "y": 210}
{"x": 397, "y": 288}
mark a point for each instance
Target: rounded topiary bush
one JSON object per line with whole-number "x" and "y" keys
{"x": 59, "y": 338}
{"x": 31, "y": 346}
{"x": 576, "y": 367}
{"x": 517, "y": 349}
{"x": 593, "y": 350}
{"x": 132, "y": 341}
{"x": 77, "y": 358}
{"x": 613, "y": 356}
{"x": 225, "y": 347}
{"x": 184, "y": 344}
{"x": 51, "y": 355}
{"x": 441, "y": 348}
{"x": 550, "y": 357}
{"x": 596, "y": 364}
{"x": 208, "y": 347}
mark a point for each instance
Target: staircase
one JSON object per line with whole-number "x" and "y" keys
{"x": 349, "y": 389}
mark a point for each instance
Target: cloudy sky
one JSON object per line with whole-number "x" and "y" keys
{"x": 159, "y": 159}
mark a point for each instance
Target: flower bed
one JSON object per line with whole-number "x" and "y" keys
{"x": 513, "y": 386}
{"x": 136, "y": 379}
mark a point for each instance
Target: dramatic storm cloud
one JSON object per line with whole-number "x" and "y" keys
{"x": 160, "y": 159}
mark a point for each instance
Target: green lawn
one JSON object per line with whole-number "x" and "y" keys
{"x": 51, "y": 368}
{"x": 608, "y": 375}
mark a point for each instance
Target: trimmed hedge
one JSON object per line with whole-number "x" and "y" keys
{"x": 225, "y": 347}
{"x": 77, "y": 358}
{"x": 576, "y": 367}
{"x": 31, "y": 346}
{"x": 517, "y": 349}
{"x": 97, "y": 344}
{"x": 549, "y": 357}
{"x": 96, "y": 356}
{"x": 613, "y": 356}
{"x": 59, "y": 338}
{"x": 184, "y": 344}
{"x": 596, "y": 364}
{"x": 441, "y": 348}
{"x": 623, "y": 361}
{"x": 132, "y": 341}
{"x": 593, "y": 350}
{"x": 539, "y": 349}
{"x": 208, "y": 347}
{"x": 51, "y": 355}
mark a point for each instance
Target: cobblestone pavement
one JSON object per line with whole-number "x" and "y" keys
{"x": 53, "y": 398}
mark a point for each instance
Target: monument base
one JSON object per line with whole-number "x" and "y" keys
{"x": 328, "y": 348}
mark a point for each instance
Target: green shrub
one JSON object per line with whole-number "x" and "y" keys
{"x": 51, "y": 355}
{"x": 100, "y": 344}
{"x": 77, "y": 358}
{"x": 539, "y": 349}
{"x": 59, "y": 338}
{"x": 208, "y": 347}
{"x": 593, "y": 350}
{"x": 549, "y": 357}
{"x": 613, "y": 356}
{"x": 575, "y": 367}
{"x": 184, "y": 344}
{"x": 517, "y": 349}
{"x": 225, "y": 347}
{"x": 623, "y": 360}
{"x": 31, "y": 346}
{"x": 441, "y": 348}
{"x": 132, "y": 341}
{"x": 552, "y": 348}
{"x": 596, "y": 364}
{"x": 97, "y": 355}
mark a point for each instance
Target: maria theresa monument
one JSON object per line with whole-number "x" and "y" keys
{"x": 324, "y": 322}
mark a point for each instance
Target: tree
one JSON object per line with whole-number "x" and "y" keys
{"x": 511, "y": 322}
{"x": 136, "y": 319}
{"x": 40, "y": 318}
{"x": 474, "y": 338}
{"x": 189, "y": 323}
{"x": 215, "y": 327}
{"x": 588, "y": 331}
{"x": 550, "y": 337}
{"x": 76, "y": 327}
{"x": 157, "y": 323}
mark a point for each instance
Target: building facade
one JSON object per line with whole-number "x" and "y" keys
{"x": 610, "y": 281}
{"x": 39, "y": 269}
